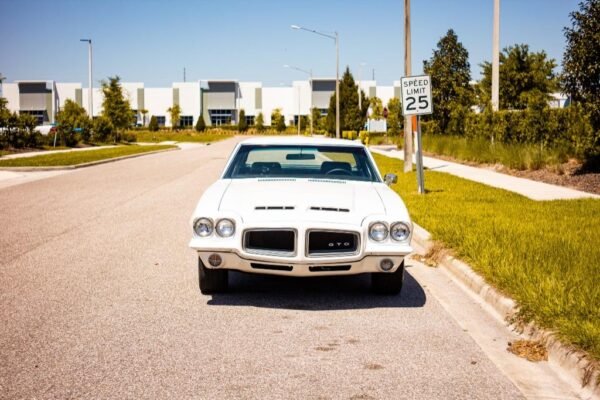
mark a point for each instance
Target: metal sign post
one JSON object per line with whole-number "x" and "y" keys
{"x": 416, "y": 100}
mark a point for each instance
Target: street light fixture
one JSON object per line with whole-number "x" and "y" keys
{"x": 309, "y": 72}
{"x": 90, "y": 94}
{"x": 336, "y": 39}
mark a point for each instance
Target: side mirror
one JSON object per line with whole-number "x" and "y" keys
{"x": 390, "y": 179}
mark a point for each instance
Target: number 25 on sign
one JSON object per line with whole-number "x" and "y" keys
{"x": 416, "y": 95}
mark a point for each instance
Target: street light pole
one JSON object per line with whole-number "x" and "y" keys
{"x": 309, "y": 72}
{"x": 2, "y": 78}
{"x": 361, "y": 65}
{"x": 336, "y": 39}
{"x": 90, "y": 94}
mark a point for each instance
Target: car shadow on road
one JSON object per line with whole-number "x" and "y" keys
{"x": 314, "y": 293}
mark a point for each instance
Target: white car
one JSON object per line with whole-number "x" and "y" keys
{"x": 299, "y": 206}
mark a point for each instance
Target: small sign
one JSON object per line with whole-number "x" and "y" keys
{"x": 416, "y": 95}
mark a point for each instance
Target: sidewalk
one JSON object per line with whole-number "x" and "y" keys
{"x": 526, "y": 187}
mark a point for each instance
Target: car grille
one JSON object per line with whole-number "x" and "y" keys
{"x": 270, "y": 241}
{"x": 323, "y": 243}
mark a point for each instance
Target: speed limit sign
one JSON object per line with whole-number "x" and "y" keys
{"x": 416, "y": 95}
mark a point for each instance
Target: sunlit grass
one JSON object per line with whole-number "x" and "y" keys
{"x": 79, "y": 157}
{"x": 180, "y": 136}
{"x": 545, "y": 255}
{"x": 516, "y": 156}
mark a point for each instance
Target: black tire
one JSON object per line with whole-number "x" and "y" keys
{"x": 212, "y": 280}
{"x": 388, "y": 283}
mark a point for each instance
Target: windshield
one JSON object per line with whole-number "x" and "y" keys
{"x": 300, "y": 161}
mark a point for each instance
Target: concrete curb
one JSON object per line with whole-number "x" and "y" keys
{"x": 83, "y": 165}
{"x": 575, "y": 364}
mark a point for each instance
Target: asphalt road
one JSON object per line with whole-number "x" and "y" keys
{"x": 99, "y": 298}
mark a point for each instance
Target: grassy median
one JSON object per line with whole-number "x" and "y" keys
{"x": 545, "y": 255}
{"x": 80, "y": 157}
{"x": 180, "y": 136}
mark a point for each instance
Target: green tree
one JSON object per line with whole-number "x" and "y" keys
{"x": 200, "y": 124}
{"x": 581, "y": 60}
{"x": 73, "y": 123}
{"x": 242, "y": 124}
{"x": 316, "y": 118}
{"x": 521, "y": 72}
{"x": 153, "y": 125}
{"x": 103, "y": 128}
{"x": 351, "y": 116}
{"x": 278, "y": 120}
{"x": 115, "y": 107}
{"x": 450, "y": 73}
{"x": 394, "y": 118}
{"x": 175, "y": 114}
{"x": 376, "y": 108}
{"x": 260, "y": 122}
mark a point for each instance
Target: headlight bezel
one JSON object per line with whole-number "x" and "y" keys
{"x": 225, "y": 220}
{"x": 207, "y": 221}
{"x": 386, "y": 228}
{"x": 407, "y": 228}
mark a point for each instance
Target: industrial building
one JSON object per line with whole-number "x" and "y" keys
{"x": 219, "y": 101}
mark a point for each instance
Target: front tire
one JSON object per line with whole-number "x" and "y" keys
{"x": 212, "y": 280}
{"x": 388, "y": 283}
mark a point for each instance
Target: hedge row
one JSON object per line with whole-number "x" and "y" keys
{"x": 568, "y": 128}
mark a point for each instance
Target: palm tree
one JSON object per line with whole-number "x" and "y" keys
{"x": 144, "y": 112}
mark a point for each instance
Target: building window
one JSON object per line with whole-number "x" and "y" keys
{"x": 186, "y": 120}
{"x": 38, "y": 114}
{"x": 249, "y": 120}
{"x": 220, "y": 117}
{"x": 161, "y": 120}
{"x": 323, "y": 112}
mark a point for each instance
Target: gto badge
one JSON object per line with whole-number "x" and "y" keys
{"x": 339, "y": 244}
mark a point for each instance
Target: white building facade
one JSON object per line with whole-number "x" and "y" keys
{"x": 218, "y": 101}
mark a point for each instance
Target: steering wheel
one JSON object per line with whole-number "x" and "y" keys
{"x": 338, "y": 171}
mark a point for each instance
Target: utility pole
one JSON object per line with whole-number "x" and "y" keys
{"x": 184, "y": 74}
{"x": 362, "y": 64}
{"x": 337, "y": 86}
{"x": 90, "y": 89}
{"x": 408, "y": 131}
{"x": 496, "y": 58}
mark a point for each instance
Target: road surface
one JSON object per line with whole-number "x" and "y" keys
{"x": 99, "y": 298}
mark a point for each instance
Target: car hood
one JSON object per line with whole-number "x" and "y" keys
{"x": 262, "y": 200}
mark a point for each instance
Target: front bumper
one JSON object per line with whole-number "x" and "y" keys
{"x": 306, "y": 267}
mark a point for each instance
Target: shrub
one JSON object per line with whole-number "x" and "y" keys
{"x": 200, "y": 124}
{"x": 259, "y": 124}
{"x": 153, "y": 125}
{"x": 242, "y": 125}
{"x": 103, "y": 129}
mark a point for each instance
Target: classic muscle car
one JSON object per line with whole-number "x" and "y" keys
{"x": 301, "y": 206}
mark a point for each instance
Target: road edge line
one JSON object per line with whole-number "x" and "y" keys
{"x": 576, "y": 364}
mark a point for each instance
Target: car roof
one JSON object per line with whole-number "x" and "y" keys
{"x": 301, "y": 140}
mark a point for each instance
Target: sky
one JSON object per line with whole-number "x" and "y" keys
{"x": 153, "y": 41}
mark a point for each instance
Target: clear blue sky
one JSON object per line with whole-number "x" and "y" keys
{"x": 151, "y": 41}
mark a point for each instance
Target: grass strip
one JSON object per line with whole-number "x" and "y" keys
{"x": 181, "y": 136}
{"x": 545, "y": 255}
{"x": 80, "y": 157}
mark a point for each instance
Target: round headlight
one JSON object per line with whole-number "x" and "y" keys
{"x": 400, "y": 231}
{"x": 378, "y": 231}
{"x": 225, "y": 228}
{"x": 203, "y": 227}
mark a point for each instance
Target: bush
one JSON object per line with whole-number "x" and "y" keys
{"x": 153, "y": 125}
{"x": 351, "y": 135}
{"x": 103, "y": 129}
{"x": 200, "y": 124}
{"x": 242, "y": 125}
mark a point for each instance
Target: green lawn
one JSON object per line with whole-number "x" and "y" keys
{"x": 180, "y": 136}
{"x": 545, "y": 255}
{"x": 79, "y": 157}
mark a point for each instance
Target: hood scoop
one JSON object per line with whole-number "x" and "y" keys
{"x": 334, "y": 209}
{"x": 274, "y": 207}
